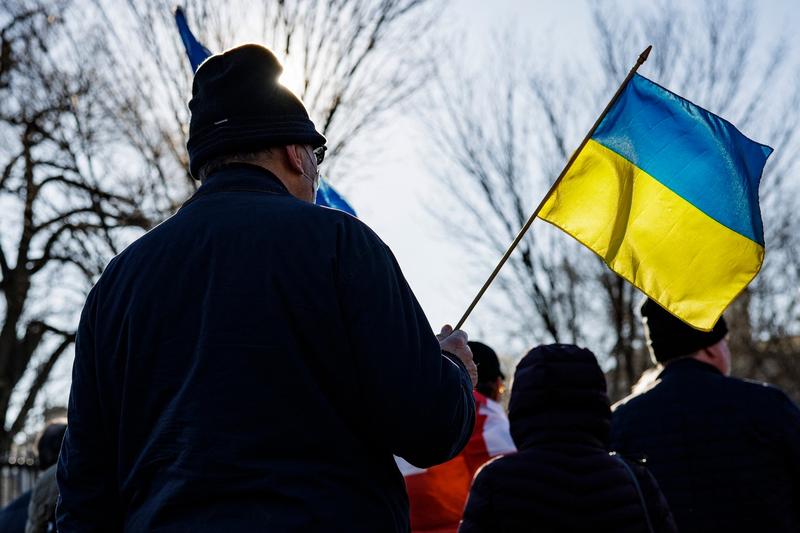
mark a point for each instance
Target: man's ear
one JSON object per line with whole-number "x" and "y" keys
{"x": 294, "y": 157}
{"x": 716, "y": 351}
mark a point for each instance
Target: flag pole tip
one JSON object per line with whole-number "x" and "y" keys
{"x": 643, "y": 57}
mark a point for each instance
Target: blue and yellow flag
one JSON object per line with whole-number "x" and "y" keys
{"x": 666, "y": 193}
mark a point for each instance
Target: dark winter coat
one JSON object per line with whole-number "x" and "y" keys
{"x": 726, "y": 452}
{"x": 562, "y": 479}
{"x": 246, "y": 366}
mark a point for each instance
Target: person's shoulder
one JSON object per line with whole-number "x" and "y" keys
{"x": 126, "y": 261}
{"x": 507, "y": 464}
{"x": 345, "y": 220}
{"x": 749, "y": 390}
{"x": 157, "y": 233}
{"x": 765, "y": 407}
{"x": 632, "y": 402}
{"x": 352, "y": 234}
{"x": 330, "y": 215}
{"x": 642, "y": 392}
{"x": 493, "y": 467}
{"x": 116, "y": 264}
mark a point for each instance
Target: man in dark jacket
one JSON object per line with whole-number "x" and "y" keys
{"x": 246, "y": 365}
{"x": 563, "y": 478}
{"x": 726, "y": 452}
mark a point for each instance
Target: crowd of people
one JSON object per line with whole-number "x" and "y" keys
{"x": 694, "y": 451}
{"x": 259, "y": 363}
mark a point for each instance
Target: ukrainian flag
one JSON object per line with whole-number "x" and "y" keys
{"x": 666, "y": 194}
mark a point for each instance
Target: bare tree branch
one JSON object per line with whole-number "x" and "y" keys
{"x": 704, "y": 52}
{"x": 39, "y": 380}
{"x": 94, "y": 121}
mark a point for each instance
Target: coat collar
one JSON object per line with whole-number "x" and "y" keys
{"x": 240, "y": 177}
{"x": 687, "y": 365}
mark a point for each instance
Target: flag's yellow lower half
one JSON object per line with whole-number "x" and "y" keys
{"x": 676, "y": 254}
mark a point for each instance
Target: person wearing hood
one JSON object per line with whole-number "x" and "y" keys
{"x": 563, "y": 478}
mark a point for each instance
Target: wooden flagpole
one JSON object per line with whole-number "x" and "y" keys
{"x": 642, "y": 58}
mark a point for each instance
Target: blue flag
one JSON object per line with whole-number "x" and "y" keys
{"x": 327, "y": 196}
{"x": 197, "y": 52}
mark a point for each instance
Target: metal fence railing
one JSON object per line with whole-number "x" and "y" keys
{"x": 17, "y": 475}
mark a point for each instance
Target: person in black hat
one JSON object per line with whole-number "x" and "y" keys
{"x": 246, "y": 365}
{"x": 241, "y": 113}
{"x": 725, "y": 451}
{"x": 491, "y": 380}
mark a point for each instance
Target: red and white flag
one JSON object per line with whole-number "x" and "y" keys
{"x": 437, "y": 495}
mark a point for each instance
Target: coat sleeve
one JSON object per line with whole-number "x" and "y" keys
{"x": 87, "y": 490}
{"x": 418, "y": 401}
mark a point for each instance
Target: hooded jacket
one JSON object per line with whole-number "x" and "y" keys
{"x": 562, "y": 479}
{"x": 246, "y": 366}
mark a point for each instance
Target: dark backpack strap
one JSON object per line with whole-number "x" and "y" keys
{"x": 638, "y": 490}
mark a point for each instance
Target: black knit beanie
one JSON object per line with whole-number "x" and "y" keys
{"x": 669, "y": 337}
{"x": 238, "y": 106}
{"x": 487, "y": 361}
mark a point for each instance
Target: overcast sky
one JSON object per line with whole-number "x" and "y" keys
{"x": 392, "y": 199}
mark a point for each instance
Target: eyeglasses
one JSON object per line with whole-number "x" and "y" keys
{"x": 319, "y": 154}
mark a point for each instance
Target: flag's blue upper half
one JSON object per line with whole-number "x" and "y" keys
{"x": 696, "y": 154}
{"x": 327, "y": 196}
{"x": 196, "y": 52}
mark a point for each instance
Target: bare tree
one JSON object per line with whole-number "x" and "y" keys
{"x": 508, "y": 153}
{"x": 488, "y": 128}
{"x": 94, "y": 122}
{"x": 64, "y": 214}
{"x": 348, "y": 60}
